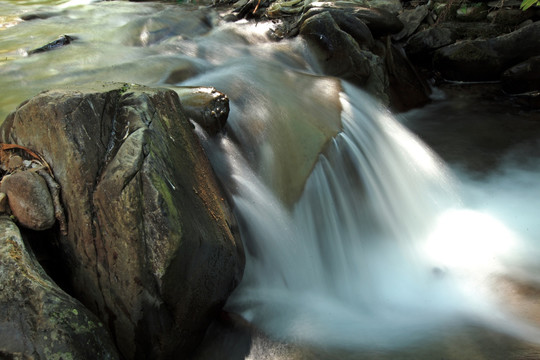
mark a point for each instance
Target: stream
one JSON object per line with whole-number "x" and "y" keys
{"x": 368, "y": 235}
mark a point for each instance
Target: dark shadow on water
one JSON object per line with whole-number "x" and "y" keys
{"x": 474, "y": 127}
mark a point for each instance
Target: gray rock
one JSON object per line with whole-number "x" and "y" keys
{"x": 53, "y": 45}
{"x": 379, "y": 22}
{"x": 481, "y": 60}
{"x": 510, "y": 17}
{"x": 29, "y": 199}
{"x": 149, "y": 237}
{"x": 523, "y": 77}
{"x": 424, "y": 43}
{"x": 37, "y": 319}
{"x": 406, "y": 88}
{"x": 337, "y": 52}
{"x": 411, "y": 20}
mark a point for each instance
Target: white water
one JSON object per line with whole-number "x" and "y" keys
{"x": 379, "y": 251}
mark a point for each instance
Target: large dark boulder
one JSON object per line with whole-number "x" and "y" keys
{"x": 420, "y": 46}
{"x": 523, "y": 77}
{"x": 37, "y": 319}
{"x": 337, "y": 51}
{"x": 149, "y": 246}
{"x": 485, "y": 60}
{"x": 380, "y": 22}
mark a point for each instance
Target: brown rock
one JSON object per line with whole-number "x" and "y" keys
{"x": 149, "y": 242}
{"x": 29, "y": 199}
{"x": 206, "y": 106}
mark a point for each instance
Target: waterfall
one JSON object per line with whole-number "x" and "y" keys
{"x": 374, "y": 251}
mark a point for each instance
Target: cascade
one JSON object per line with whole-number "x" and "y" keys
{"x": 379, "y": 251}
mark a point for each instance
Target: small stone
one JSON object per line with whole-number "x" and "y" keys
{"x": 29, "y": 199}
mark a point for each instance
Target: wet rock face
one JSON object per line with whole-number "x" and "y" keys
{"x": 480, "y": 60}
{"x": 340, "y": 54}
{"x": 149, "y": 238}
{"x": 206, "y": 106}
{"x": 37, "y": 319}
{"x": 523, "y": 77}
{"x": 352, "y": 42}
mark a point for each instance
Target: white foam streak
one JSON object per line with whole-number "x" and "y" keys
{"x": 377, "y": 253}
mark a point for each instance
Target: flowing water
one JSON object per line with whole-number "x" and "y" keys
{"x": 360, "y": 242}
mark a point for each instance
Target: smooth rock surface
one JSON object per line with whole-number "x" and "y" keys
{"x": 29, "y": 199}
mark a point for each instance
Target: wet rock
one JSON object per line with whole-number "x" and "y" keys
{"x": 407, "y": 89}
{"x": 149, "y": 244}
{"x": 29, "y": 199}
{"x": 523, "y": 77}
{"x": 468, "y": 61}
{"x": 37, "y": 319}
{"x": 38, "y": 16}
{"x": 474, "y": 30}
{"x": 392, "y": 6}
{"x": 481, "y": 60}
{"x": 421, "y": 45}
{"x": 337, "y": 51}
{"x": 509, "y": 17}
{"x": 411, "y": 20}
{"x": 56, "y": 44}
{"x": 181, "y": 73}
{"x": 206, "y": 106}
{"x": 164, "y": 25}
{"x": 379, "y": 22}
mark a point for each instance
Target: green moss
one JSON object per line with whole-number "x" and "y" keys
{"x": 79, "y": 323}
{"x": 125, "y": 88}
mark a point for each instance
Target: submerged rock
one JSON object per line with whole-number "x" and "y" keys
{"x": 149, "y": 241}
{"x": 29, "y": 199}
{"x": 206, "y": 106}
{"x": 37, "y": 319}
{"x": 56, "y": 44}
